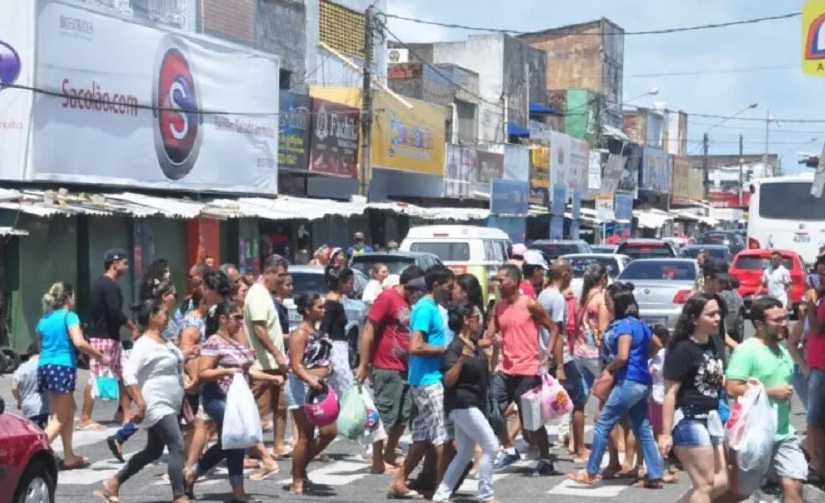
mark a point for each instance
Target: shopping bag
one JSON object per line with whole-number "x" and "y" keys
{"x": 751, "y": 429}
{"x": 373, "y": 419}
{"x": 530, "y": 408}
{"x": 241, "y": 419}
{"x": 352, "y": 420}
{"x": 555, "y": 402}
{"x": 106, "y": 387}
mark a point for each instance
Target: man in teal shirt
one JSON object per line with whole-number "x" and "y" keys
{"x": 765, "y": 359}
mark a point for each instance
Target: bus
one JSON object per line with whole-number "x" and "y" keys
{"x": 783, "y": 214}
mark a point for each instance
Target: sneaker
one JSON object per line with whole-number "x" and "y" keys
{"x": 115, "y": 447}
{"x": 505, "y": 460}
{"x": 544, "y": 468}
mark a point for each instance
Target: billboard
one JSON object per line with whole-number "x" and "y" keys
{"x": 16, "y": 69}
{"x": 490, "y": 167}
{"x": 813, "y": 38}
{"x": 681, "y": 180}
{"x": 460, "y": 171}
{"x": 333, "y": 144}
{"x": 408, "y": 139}
{"x": 293, "y": 134}
{"x": 539, "y": 175}
{"x": 655, "y": 170}
{"x": 138, "y": 105}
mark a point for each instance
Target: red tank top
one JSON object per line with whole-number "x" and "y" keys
{"x": 520, "y": 338}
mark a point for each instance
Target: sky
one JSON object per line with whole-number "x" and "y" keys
{"x": 726, "y": 57}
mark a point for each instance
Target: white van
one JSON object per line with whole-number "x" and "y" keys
{"x": 472, "y": 249}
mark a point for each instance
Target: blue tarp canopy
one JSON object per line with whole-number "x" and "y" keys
{"x": 538, "y": 108}
{"x": 515, "y": 130}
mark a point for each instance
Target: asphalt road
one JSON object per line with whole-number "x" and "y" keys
{"x": 346, "y": 478}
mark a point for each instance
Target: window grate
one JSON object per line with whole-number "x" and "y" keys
{"x": 342, "y": 28}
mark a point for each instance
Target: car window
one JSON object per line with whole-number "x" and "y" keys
{"x": 446, "y": 251}
{"x": 490, "y": 251}
{"x": 581, "y": 263}
{"x": 502, "y": 250}
{"x": 555, "y": 250}
{"x": 658, "y": 270}
{"x": 395, "y": 264}
{"x": 305, "y": 282}
{"x": 754, "y": 263}
{"x": 645, "y": 250}
{"x": 715, "y": 253}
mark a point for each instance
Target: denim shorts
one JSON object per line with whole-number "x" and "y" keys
{"x": 816, "y": 398}
{"x": 692, "y": 433}
{"x": 574, "y": 384}
{"x": 295, "y": 392}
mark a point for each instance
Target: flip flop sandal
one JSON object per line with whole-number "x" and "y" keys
{"x": 264, "y": 473}
{"x": 80, "y": 462}
{"x": 91, "y": 427}
{"x": 583, "y": 478}
{"x": 106, "y": 496}
{"x": 409, "y": 495}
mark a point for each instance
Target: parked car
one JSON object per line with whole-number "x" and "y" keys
{"x": 749, "y": 265}
{"x": 716, "y": 252}
{"x": 581, "y": 261}
{"x": 28, "y": 468}
{"x": 603, "y": 248}
{"x": 663, "y": 285}
{"x": 309, "y": 278}
{"x": 396, "y": 261}
{"x": 647, "y": 248}
{"x": 555, "y": 248}
{"x": 734, "y": 241}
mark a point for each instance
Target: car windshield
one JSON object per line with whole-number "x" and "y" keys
{"x": 659, "y": 270}
{"x": 446, "y": 251}
{"x": 396, "y": 264}
{"x": 582, "y": 262}
{"x": 716, "y": 239}
{"x": 715, "y": 253}
{"x": 754, "y": 263}
{"x": 603, "y": 249}
{"x": 645, "y": 250}
{"x": 556, "y": 250}
{"x": 305, "y": 282}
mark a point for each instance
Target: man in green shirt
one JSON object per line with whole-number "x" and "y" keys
{"x": 764, "y": 358}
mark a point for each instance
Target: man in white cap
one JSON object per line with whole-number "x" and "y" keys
{"x": 517, "y": 254}
{"x": 534, "y": 267}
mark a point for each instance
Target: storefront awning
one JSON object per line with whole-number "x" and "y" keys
{"x": 141, "y": 206}
{"x": 651, "y": 219}
{"x": 412, "y": 210}
{"x": 516, "y": 130}
{"x": 11, "y": 231}
{"x": 538, "y": 108}
{"x": 282, "y": 208}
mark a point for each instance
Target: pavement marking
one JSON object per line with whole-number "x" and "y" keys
{"x": 339, "y": 473}
{"x": 83, "y": 438}
{"x": 570, "y": 488}
{"x": 94, "y": 473}
{"x": 470, "y": 485}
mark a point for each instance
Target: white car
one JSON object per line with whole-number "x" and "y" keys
{"x": 614, "y": 264}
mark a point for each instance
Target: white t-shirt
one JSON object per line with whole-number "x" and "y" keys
{"x": 777, "y": 280}
{"x": 157, "y": 368}
{"x": 552, "y": 300}
{"x": 371, "y": 292}
{"x": 656, "y": 365}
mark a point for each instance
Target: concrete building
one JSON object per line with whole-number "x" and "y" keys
{"x": 724, "y": 169}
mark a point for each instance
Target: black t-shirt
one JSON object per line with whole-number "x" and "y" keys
{"x": 106, "y": 309}
{"x": 471, "y": 387}
{"x": 334, "y": 322}
{"x": 700, "y": 371}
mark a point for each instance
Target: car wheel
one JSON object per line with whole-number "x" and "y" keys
{"x": 36, "y": 485}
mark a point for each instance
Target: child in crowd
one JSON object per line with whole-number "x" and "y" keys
{"x": 661, "y": 335}
{"x": 33, "y": 404}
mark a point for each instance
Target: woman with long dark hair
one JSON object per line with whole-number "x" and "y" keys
{"x": 157, "y": 272}
{"x": 467, "y": 288}
{"x": 631, "y": 387}
{"x": 694, "y": 378}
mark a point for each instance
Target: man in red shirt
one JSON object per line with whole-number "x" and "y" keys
{"x": 384, "y": 347}
{"x": 534, "y": 267}
{"x": 815, "y": 370}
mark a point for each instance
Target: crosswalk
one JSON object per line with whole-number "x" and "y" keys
{"x": 348, "y": 471}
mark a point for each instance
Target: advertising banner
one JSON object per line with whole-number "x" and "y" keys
{"x": 293, "y": 134}
{"x": 560, "y": 169}
{"x": 697, "y": 187}
{"x": 410, "y": 140}
{"x": 813, "y": 38}
{"x": 509, "y": 197}
{"x": 576, "y": 204}
{"x": 333, "y": 143}
{"x": 613, "y": 173}
{"x": 516, "y": 162}
{"x": 460, "y": 171}
{"x": 559, "y": 199}
{"x": 163, "y": 110}
{"x": 655, "y": 171}
{"x": 490, "y": 167}
{"x": 681, "y": 180}
{"x": 623, "y": 206}
{"x": 579, "y": 164}
{"x": 604, "y": 208}
{"x": 16, "y": 69}
{"x": 539, "y": 175}
{"x": 633, "y": 164}
{"x": 556, "y": 227}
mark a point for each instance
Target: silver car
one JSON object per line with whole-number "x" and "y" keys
{"x": 663, "y": 285}
{"x": 579, "y": 262}
{"x": 308, "y": 278}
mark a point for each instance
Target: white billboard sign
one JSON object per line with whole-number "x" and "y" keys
{"x": 16, "y": 70}
{"x": 141, "y": 106}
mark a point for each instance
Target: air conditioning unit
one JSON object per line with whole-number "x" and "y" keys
{"x": 398, "y": 56}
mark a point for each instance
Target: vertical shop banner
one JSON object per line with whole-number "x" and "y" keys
{"x": 132, "y": 102}
{"x": 490, "y": 167}
{"x": 697, "y": 185}
{"x": 613, "y": 173}
{"x": 576, "y": 204}
{"x": 539, "y": 175}
{"x": 681, "y": 180}
{"x": 509, "y": 197}
{"x": 17, "y": 38}
{"x": 333, "y": 144}
{"x": 594, "y": 171}
{"x": 559, "y": 199}
{"x": 516, "y": 162}
{"x": 629, "y": 181}
{"x": 579, "y": 165}
{"x": 604, "y": 208}
{"x": 461, "y": 171}
{"x": 623, "y": 206}
{"x": 655, "y": 171}
{"x": 556, "y": 227}
{"x": 560, "y": 168}
{"x": 293, "y": 135}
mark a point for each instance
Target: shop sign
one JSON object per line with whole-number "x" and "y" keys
{"x": 16, "y": 69}
{"x": 813, "y": 38}
{"x": 560, "y": 165}
{"x": 559, "y": 199}
{"x": 293, "y": 134}
{"x": 539, "y": 174}
{"x": 623, "y": 206}
{"x": 509, "y": 197}
{"x": 408, "y": 139}
{"x": 604, "y": 208}
{"x": 490, "y": 167}
{"x": 164, "y": 110}
{"x": 697, "y": 187}
{"x": 655, "y": 171}
{"x": 333, "y": 144}
{"x": 579, "y": 164}
{"x": 681, "y": 180}
{"x": 613, "y": 173}
{"x": 460, "y": 170}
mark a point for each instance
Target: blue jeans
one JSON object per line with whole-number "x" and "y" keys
{"x": 125, "y": 432}
{"x": 628, "y": 398}
{"x": 215, "y": 405}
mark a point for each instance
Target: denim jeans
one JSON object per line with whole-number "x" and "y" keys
{"x": 215, "y": 405}
{"x": 628, "y": 398}
{"x": 125, "y": 432}
{"x": 471, "y": 429}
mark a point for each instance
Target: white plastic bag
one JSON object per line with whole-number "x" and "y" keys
{"x": 752, "y": 435}
{"x": 241, "y": 421}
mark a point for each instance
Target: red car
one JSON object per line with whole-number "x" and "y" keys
{"x": 28, "y": 469}
{"x": 748, "y": 266}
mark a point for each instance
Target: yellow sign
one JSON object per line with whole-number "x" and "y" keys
{"x": 697, "y": 186}
{"x": 681, "y": 180}
{"x": 813, "y": 38}
{"x": 402, "y": 138}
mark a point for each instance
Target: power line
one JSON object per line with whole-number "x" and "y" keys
{"x": 753, "y": 119}
{"x": 562, "y": 31}
{"x": 760, "y": 129}
{"x": 732, "y": 142}
{"x": 711, "y": 72}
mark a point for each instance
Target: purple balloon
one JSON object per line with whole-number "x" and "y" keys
{"x": 9, "y": 65}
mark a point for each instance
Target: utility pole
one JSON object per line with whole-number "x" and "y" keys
{"x": 741, "y": 172}
{"x": 365, "y": 169}
{"x": 767, "y": 144}
{"x": 705, "y": 169}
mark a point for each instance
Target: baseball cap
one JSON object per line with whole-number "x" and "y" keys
{"x": 518, "y": 250}
{"x": 716, "y": 269}
{"x": 533, "y": 257}
{"x": 114, "y": 255}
